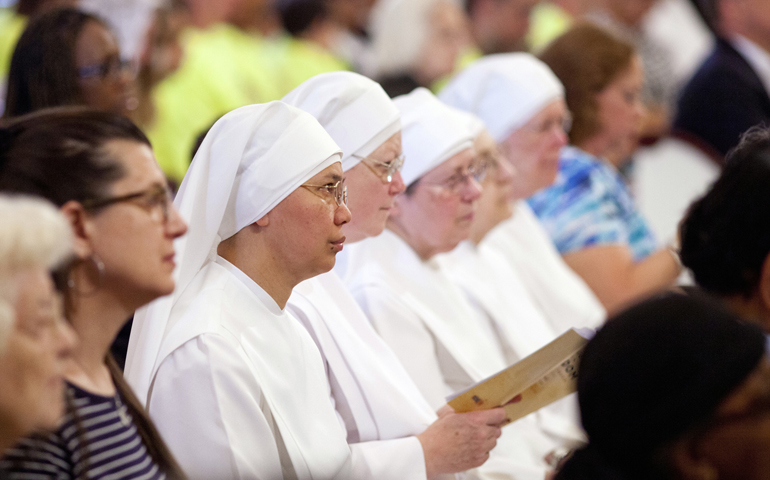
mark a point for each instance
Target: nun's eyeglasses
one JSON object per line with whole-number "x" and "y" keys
{"x": 384, "y": 170}
{"x": 455, "y": 183}
{"x": 338, "y": 191}
{"x": 155, "y": 200}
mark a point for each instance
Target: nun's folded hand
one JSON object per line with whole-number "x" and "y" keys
{"x": 460, "y": 441}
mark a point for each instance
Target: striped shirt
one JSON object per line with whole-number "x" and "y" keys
{"x": 101, "y": 440}
{"x": 590, "y": 205}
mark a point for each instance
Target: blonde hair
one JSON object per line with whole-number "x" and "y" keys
{"x": 33, "y": 234}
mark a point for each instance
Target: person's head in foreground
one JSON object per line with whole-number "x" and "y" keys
{"x": 99, "y": 169}
{"x": 35, "y": 341}
{"x": 522, "y": 105}
{"x": 603, "y": 80}
{"x": 68, "y": 57}
{"x": 674, "y": 388}
{"x": 725, "y": 236}
{"x": 443, "y": 174}
{"x": 364, "y": 122}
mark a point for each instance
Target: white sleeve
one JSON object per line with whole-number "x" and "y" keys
{"x": 207, "y": 406}
{"x": 399, "y": 459}
{"x": 404, "y": 332}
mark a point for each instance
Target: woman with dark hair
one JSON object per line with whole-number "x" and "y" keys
{"x": 588, "y": 211}
{"x": 98, "y": 168}
{"x": 674, "y": 389}
{"x": 68, "y": 57}
{"x": 726, "y": 234}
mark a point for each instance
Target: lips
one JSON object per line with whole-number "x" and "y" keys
{"x": 170, "y": 258}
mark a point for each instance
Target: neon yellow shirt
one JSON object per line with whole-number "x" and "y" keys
{"x": 295, "y": 61}
{"x": 11, "y": 27}
{"x": 225, "y": 68}
{"x": 547, "y": 22}
{"x": 222, "y": 70}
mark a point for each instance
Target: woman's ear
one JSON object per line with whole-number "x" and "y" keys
{"x": 688, "y": 465}
{"x": 76, "y": 215}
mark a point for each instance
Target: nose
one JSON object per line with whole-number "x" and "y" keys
{"x": 397, "y": 185}
{"x": 66, "y": 340}
{"x": 561, "y": 136}
{"x": 175, "y": 226}
{"x": 472, "y": 190}
{"x": 342, "y": 215}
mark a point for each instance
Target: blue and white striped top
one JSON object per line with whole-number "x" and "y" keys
{"x": 103, "y": 442}
{"x": 590, "y": 205}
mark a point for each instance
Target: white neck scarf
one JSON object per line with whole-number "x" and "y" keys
{"x": 354, "y": 110}
{"x": 505, "y": 90}
{"x": 251, "y": 160}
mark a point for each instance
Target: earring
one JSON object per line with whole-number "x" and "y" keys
{"x": 98, "y": 265}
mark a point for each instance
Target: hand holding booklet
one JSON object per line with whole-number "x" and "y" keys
{"x": 536, "y": 381}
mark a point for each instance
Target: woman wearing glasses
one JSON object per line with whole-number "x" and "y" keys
{"x": 235, "y": 384}
{"x": 393, "y": 433}
{"x": 589, "y": 212}
{"x": 522, "y": 106}
{"x": 68, "y": 57}
{"x": 99, "y": 169}
{"x": 408, "y": 297}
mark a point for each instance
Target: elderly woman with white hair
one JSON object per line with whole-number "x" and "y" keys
{"x": 236, "y": 385}
{"x": 416, "y": 42}
{"x": 391, "y": 428}
{"x": 35, "y": 341}
{"x": 521, "y": 103}
{"x": 408, "y": 297}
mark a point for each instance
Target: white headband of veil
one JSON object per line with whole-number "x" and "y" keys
{"x": 251, "y": 159}
{"x": 431, "y": 134}
{"x": 505, "y": 90}
{"x": 354, "y": 110}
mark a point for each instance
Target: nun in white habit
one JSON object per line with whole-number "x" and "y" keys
{"x": 235, "y": 385}
{"x": 412, "y": 304}
{"x": 494, "y": 289}
{"x": 521, "y": 103}
{"x": 384, "y": 413}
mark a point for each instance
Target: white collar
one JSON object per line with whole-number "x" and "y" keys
{"x": 253, "y": 286}
{"x": 756, "y": 56}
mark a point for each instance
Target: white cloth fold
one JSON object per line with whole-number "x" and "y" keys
{"x": 246, "y": 398}
{"x": 431, "y": 134}
{"x": 353, "y": 109}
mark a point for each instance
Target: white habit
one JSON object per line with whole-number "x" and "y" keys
{"x": 379, "y": 405}
{"x": 426, "y": 321}
{"x": 558, "y": 291}
{"x": 498, "y": 296}
{"x": 375, "y": 398}
{"x": 245, "y": 395}
{"x": 235, "y": 385}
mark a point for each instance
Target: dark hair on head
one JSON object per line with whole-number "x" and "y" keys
{"x": 586, "y": 60}
{"x": 725, "y": 236}
{"x": 654, "y": 375}
{"x": 299, "y": 15}
{"x": 61, "y": 154}
{"x": 43, "y": 70}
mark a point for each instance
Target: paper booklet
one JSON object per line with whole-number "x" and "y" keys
{"x": 530, "y": 384}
